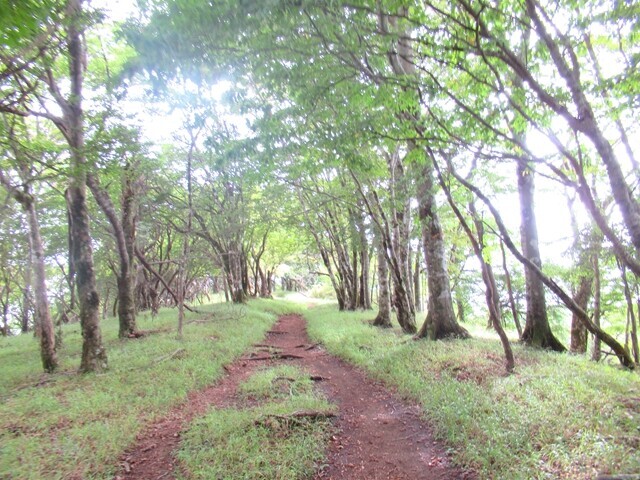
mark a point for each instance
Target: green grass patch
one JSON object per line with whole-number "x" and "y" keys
{"x": 75, "y": 426}
{"x": 282, "y": 381}
{"x": 559, "y": 416}
{"x": 274, "y": 441}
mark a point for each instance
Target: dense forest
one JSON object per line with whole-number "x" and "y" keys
{"x": 434, "y": 164}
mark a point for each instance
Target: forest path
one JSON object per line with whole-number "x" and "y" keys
{"x": 378, "y": 435}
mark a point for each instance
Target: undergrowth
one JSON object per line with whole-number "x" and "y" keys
{"x": 283, "y": 438}
{"x": 68, "y": 425}
{"x": 559, "y": 416}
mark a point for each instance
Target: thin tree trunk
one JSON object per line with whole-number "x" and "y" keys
{"x": 512, "y": 299}
{"x": 42, "y": 310}
{"x": 26, "y": 297}
{"x": 416, "y": 283}
{"x": 596, "y": 352}
{"x": 491, "y": 292}
{"x": 124, "y": 233}
{"x": 43, "y": 322}
{"x": 631, "y": 330}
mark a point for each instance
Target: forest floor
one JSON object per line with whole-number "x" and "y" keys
{"x": 377, "y": 435}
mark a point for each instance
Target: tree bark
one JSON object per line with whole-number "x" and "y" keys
{"x": 383, "y": 319}
{"x": 94, "y": 356}
{"x": 578, "y": 330}
{"x": 124, "y": 232}
{"x": 441, "y": 321}
{"x": 42, "y": 310}
{"x": 537, "y": 331}
{"x": 512, "y": 300}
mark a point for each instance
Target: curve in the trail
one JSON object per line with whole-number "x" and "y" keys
{"x": 378, "y": 437}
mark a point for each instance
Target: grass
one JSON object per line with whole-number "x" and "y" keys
{"x": 265, "y": 441}
{"x": 559, "y": 416}
{"x": 75, "y": 426}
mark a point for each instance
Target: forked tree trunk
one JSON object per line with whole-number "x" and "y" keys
{"x": 265, "y": 284}
{"x": 124, "y": 232}
{"x": 537, "y": 331}
{"x": 440, "y": 321}
{"x": 234, "y": 271}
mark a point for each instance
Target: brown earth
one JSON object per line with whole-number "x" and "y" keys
{"x": 378, "y": 435}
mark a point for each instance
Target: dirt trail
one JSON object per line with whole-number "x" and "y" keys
{"x": 378, "y": 435}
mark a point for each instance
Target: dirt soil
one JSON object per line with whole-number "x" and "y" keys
{"x": 378, "y": 436}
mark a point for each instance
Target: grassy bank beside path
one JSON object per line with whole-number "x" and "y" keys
{"x": 75, "y": 426}
{"x": 558, "y": 417}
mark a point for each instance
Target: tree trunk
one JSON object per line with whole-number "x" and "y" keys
{"x": 383, "y": 319}
{"x": 491, "y": 292}
{"x": 127, "y": 304}
{"x": 398, "y": 242}
{"x": 632, "y": 328}
{"x": 512, "y": 299}
{"x": 42, "y": 310}
{"x": 124, "y": 233}
{"x": 416, "y": 283}
{"x": 26, "y": 298}
{"x": 578, "y": 329}
{"x": 537, "y": 331}
{"x": 441, "y": 321}
{"x": 234, "y": 271}
{"x": 94, "y": 357}
{"x": 363, "y": 294}
{"x": 596, "y": 352}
